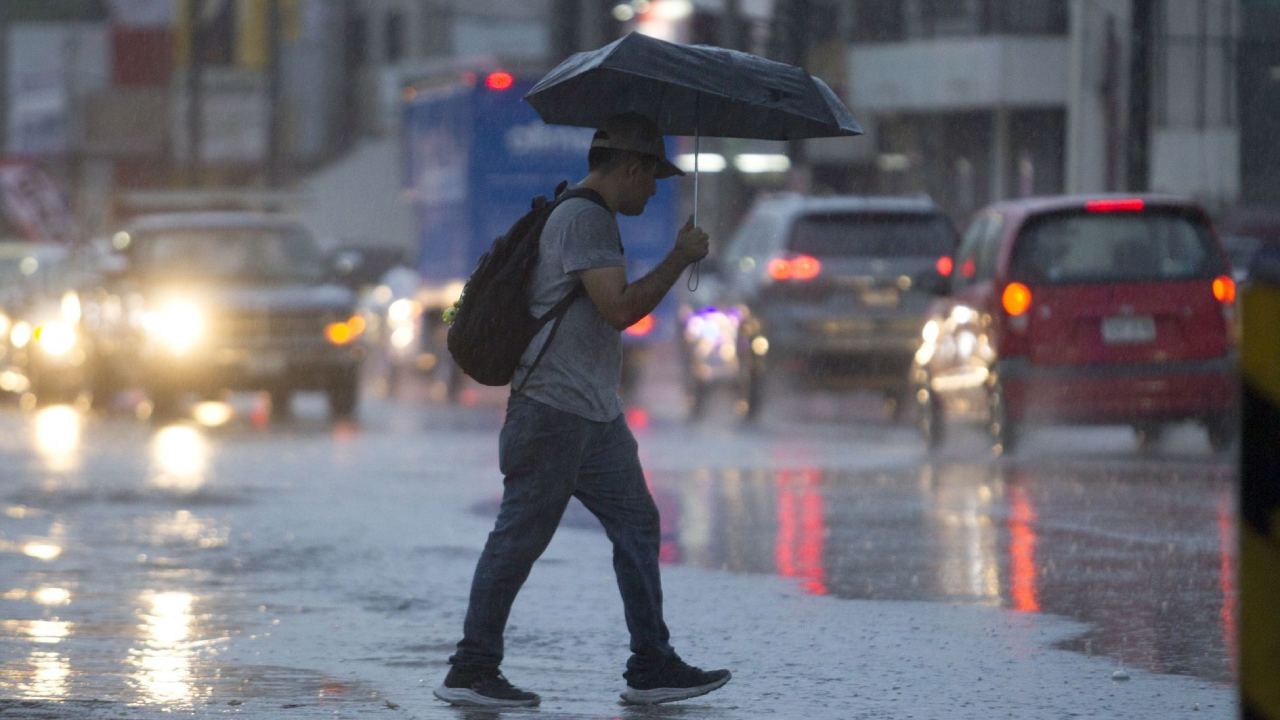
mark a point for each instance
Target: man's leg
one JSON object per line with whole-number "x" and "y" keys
{"x": 539, "y": 453}
{"x": 611, "y": 485}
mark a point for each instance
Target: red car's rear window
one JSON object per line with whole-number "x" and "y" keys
{"x": 1076, "y": 247}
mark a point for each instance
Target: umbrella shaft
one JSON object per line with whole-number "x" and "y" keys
{"x": 697, "y": 140}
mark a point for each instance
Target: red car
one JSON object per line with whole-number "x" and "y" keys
{"x": 1086, "y": 309}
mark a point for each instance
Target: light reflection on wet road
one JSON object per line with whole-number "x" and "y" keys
{"x": 129, "y": 566}
{"x": 1147, "y": 558}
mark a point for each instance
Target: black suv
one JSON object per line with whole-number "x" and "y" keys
{"x": 204, "y": 302}
{"x": 833, "y": 290}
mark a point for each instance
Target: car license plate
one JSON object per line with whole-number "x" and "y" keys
{"x": 880, "y": 297}
{"x": 265, "y": 363}
{"x": 1128, "y": 329}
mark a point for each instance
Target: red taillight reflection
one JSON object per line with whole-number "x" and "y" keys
{"x": 499, "y": 80}
{"x": 1224, "y": 289}
{"x": 641, "y": 327}
{"x": 800, "y": 267}
{"x": 1121, "y": 205}
{"x": 945, "y": 265}
{"x": 799, "y": 546}
{"x": 1022, "y": 551}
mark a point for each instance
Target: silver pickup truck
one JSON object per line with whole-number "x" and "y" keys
{"x": 212, "y": 301}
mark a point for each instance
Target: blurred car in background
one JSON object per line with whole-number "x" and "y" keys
{"x": 1087, "y": 309}
{"x": 42, "y": 349}
{"x": 206, "y": 302}
{"x": 832, "y": 290}
{"x": 1246, "y": 231}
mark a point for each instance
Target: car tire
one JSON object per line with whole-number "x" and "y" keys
{"x": 1005, "y": 433}
{"x": 344, "y": 394}
{"x": 930, "y": 420}
{"x": 164, "y": 403}
{"x": 281, "y": 402}
{"x": 1148, "y": 435}
{"x": 103, "y": 386}
{"x": 698, "y": 396}
{"x": 752, "y": 390}
{"x": 1223, "y": 432}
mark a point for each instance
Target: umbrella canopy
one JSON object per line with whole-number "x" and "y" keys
{"x": 691, "y": 90}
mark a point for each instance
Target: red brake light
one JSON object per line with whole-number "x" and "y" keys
{"x": 1122, "y": 205}
{"x": 800, "y": 267}
{"x": 499, "y": 80}
{"x": 1016, "y": 299}
{"x": 945, "y": 265}
{"x": 641, "y": 327}
{"x": 1224, "y": 289}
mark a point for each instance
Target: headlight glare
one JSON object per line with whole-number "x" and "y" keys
{"x": 55, "y": 338}
{"x": 178, "y": 325}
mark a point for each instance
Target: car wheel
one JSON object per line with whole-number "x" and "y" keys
{"x": 344, "y": 394}
{"x": 281, "y": 402}
{"x": 698, "y": 395}
{"x": 930, "y": 419}
{"x": 751, "y": 392}
{"x": 103, "y": 386}
{"x": 1148, "y": 435}
{"x": 164, "y": 403}
{"x": 1223, "y": 431}
{"x": 1004, "y": 431}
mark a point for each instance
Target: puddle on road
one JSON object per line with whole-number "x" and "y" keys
{"x": 1145, "y": 559}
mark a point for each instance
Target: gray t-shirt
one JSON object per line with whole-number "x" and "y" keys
{"x": 582, "y": 369}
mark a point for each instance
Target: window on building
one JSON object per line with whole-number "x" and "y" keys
{"x": 393, "y": 36}
{"x": 940, "y": 18}
{"x": 879, "y": 21}
{"x": 1025, "y": 17}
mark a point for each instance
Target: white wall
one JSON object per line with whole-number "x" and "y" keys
{"x": 358, "y": 197}
{"x": 959, "y": 74}
{"x": 1201, "y": 163}
{"x": 1086, "y": 150}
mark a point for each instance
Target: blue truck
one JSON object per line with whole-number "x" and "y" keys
{"x": 475, "y": 154}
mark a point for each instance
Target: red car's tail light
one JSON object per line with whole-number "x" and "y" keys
{"x": 800, "y": 267}
{"x": 1224, "y": 289}
{"x": 945, "y": 265}
{"x": 1120, "y": 205}
{"x": 1016, "y": 299}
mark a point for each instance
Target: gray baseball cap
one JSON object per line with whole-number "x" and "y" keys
{"x": 637, "y": 133}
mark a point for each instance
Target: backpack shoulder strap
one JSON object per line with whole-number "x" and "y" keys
{"x": 557, "y": 311}
{"x": 581, "y": 192}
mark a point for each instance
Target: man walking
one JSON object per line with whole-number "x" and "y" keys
{"x": 565, "y": 434}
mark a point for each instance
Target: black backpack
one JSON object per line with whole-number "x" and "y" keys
{"x": 492, "y": 326}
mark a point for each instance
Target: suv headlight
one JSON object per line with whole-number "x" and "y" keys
{"x": 55, "y": 338}
{"x": 177, "y": 325}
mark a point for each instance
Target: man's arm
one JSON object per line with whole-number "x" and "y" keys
{"x": 622, "y": 303}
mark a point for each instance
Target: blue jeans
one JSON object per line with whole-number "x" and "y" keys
{"x": 548, "y": 456}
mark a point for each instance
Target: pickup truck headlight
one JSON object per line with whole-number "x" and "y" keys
{"x": 55, "y": 338}
{"x": 344, "y": 332}
{"x": 177, "y": 325}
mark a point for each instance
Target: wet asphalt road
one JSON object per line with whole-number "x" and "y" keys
{"x": 137, "y": 559}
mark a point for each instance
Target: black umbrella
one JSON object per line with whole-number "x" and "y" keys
{"x": 691, "y": 90}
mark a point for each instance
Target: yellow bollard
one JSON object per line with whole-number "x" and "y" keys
{"x": 1260, "y": 496}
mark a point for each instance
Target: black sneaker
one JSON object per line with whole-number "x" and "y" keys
{"x": 483, "y": 688}
{"x": 675, "y": 680}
